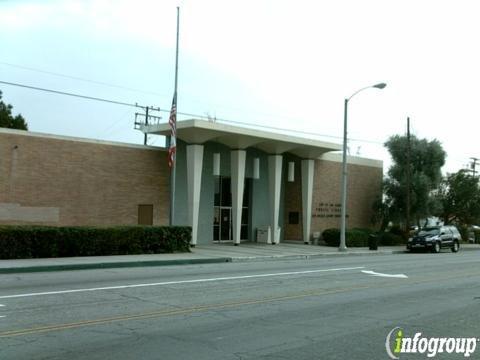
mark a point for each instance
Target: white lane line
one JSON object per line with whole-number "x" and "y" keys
{"x": 1, "y": 305}
{"x": 179, "y": 282}
{"x": 400, "y": 276}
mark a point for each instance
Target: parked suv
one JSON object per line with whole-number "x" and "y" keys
{"x": 435, "y": 238}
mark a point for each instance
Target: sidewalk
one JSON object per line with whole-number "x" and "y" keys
{"x": 202, "y": 254}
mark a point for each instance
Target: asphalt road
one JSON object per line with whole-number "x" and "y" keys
{"x": 315, "y": 309}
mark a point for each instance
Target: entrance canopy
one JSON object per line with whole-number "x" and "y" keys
{"x": 196, "y": 131}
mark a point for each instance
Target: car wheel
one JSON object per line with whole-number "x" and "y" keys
{"x": 436, "y": 247}
{"x": 455, "y": 247}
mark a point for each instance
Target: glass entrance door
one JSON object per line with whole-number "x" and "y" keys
{"x": 226, "y": 223}
{"x": 222, "y": 212}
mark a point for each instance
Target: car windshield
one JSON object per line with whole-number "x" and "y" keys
{"x": 429, "y": 231}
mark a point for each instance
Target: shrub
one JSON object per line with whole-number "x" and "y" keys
{"x": 354, "y": 237}
{"x": 359, "y": 238}
{"x": 331, "y": 237}
{"x": 476, "y": 233}
{"x": 463, "y": 230}
{"x": 20, "y": 242}
{"x": 391, "y": 239}
{"x": 397, "y": 230}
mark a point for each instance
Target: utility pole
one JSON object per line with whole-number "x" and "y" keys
{"x": 473, "y": 165}
{"x": 146, "y": 124}
{"x": 139, "y": 123}
{"x": 407, "y": 201}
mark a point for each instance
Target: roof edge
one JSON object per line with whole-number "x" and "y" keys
{"x": 353, "y": 160}
{"x": 77, "y": 139}
{"x": 241, "y": 130}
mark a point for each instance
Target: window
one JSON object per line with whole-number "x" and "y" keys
{"x": 293, "y": 218}
{"x": 145, "y": 214}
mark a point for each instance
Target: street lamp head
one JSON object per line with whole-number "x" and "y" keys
{"x": 379, "y": 86}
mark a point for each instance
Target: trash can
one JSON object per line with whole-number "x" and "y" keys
{"x": 373, "y": 242}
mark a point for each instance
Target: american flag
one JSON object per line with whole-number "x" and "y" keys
{"x": 173, "y": 137}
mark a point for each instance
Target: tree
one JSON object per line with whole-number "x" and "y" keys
{"x": 459, "y": 195}
{"x": 426, "y": 161}
{"x": 7, "y": 120}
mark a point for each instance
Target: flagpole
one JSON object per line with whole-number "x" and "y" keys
{"x": 174, "y": 168}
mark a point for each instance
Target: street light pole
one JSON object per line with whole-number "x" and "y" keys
{"x": 343, "y": 246}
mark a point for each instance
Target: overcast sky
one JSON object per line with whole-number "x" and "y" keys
{"x": 287, "y": 64}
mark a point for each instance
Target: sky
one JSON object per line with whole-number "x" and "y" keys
{"x": 284, "y": 64}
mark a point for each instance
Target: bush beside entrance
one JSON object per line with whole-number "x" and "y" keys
{"x": 360, "y": 238}
{"x": 23, "y": 242}
{"x": 354, "y": 237}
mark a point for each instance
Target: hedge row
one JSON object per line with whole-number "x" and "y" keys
{"x": 23, "y": 242}
{"x": 359, "y": 237}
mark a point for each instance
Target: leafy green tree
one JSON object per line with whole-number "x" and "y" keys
{"x": 426, "y": 161}
{"x": 7, "y": 120}
{"x": 459, "y": 195}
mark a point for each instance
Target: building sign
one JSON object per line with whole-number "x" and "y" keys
{"x": 327, "y": 210}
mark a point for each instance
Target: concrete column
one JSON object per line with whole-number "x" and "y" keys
{"x": 237, "y": 185}
{"x": 308, "y": 168}
{"x": 194, "y": 180}
{"x": 275, "y": 183}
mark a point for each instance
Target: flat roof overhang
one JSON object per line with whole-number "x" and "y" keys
{"x": 196, "y": 131}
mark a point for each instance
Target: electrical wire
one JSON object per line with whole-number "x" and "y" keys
{"x": 80, "y": 79}
{"x": 68, "y": 94}
{"x": 132, "y": 89}
{"x": 115, "y": 102}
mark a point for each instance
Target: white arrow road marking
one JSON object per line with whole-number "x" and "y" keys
{"x": 400, "y": 276}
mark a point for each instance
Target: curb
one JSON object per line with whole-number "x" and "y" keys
{"x": 313, "y": 256}
{"x": 148, "y": 263}
{"x": 111, "y": 265}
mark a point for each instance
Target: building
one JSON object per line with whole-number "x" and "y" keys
{"x": 232, "y": 183}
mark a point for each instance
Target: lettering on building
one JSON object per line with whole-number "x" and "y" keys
{"x": 327, "y": 210}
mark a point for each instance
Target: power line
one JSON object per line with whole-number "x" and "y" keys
{"x": 122, "y": 87}
{"x": 116, "y": 102}
{"x": 81, "y": 79}
{"x": 108, "y": 129}
{"x": 68, "y": 94}
{"x": 158, "y": 94}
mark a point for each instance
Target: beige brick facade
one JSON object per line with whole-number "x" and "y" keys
{"x": 364, "y": 186}
{"x": 53, "y": 180}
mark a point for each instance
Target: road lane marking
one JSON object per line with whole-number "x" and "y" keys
{"x": 179, "y": 282}
{"x": 163, "y": 313}
{"x": 160, "y": 313}
{"x": 400, "y": 276}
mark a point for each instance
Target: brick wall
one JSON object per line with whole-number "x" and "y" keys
{"x": 66, "y": 181}
{"x": 364, "y": 185}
